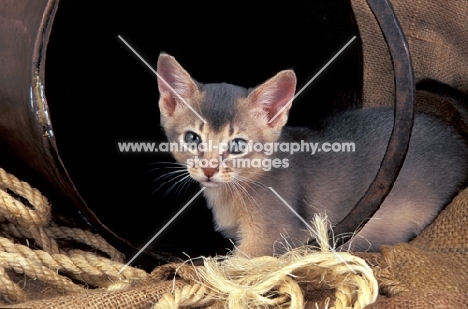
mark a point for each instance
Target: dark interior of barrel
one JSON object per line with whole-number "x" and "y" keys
{"x": 100, "y": 94}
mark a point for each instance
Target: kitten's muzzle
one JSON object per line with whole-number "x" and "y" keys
{"x": 209, "y": 171}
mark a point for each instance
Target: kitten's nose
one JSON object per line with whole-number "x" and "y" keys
{"x": 209, "y": 171}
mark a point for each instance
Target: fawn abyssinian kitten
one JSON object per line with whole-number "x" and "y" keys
{"x": 328, "y": 181}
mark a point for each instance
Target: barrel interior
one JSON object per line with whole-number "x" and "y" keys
{"x": 99, "y": 94}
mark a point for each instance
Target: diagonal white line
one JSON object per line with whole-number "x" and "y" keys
{"x": 162, "y": 79}
{"x": 313, "y": 78}
{"x": 161, "y": 230}
{"x": 311, "y": 228}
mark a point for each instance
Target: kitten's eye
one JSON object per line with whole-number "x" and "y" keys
{"x": 237, "y": 146}
{"x": 192, "y": 138}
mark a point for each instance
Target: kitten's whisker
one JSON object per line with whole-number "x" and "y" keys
{"x": 187, "y": 184}
{"x": 168, "y": 167}
{"x": 248, "y": 180}
{"x": 244, "y": 190}
{"x": 175, "y": 184}
{"x": 181, "y": 180}
{"x": 178, "y": 189}
{"x": 169, "y": 174}
{"x": 229, "y": 186}
{"x": 178, "y": 166}
{"x": 235, "y": 187}
{"x": 176, "y": 177}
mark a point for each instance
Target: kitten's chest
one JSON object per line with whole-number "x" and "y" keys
{"x": 228, "y": 209}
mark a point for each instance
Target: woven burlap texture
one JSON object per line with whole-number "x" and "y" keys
{"x": 142, "y": 294}
{"x": 437, "y": 34}
{"x": 431, "y": 271}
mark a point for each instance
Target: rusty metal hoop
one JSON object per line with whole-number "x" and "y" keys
{"x": 398, "y": 143}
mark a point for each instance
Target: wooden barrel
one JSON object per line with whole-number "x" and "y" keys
{"x": 28, "y": 146}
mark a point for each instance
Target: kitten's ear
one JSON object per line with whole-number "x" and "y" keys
{"x": 174, "y": 83}
{"x": 272, "y": 99}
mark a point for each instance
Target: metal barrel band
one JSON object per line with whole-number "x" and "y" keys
{"x": 398, "y": 143}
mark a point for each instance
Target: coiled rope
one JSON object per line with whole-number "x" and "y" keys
{"x": 25, "y": 214}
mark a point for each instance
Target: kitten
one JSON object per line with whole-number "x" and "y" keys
{"x": 328, "y": 182}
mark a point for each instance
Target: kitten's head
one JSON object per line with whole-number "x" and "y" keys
{"x": 220, "y": 119}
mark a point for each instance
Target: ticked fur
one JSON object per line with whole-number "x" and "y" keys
{"x": 325, "y": 182}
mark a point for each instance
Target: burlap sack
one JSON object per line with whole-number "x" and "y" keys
{"x": 143, "y": 294}
{"x": 432, "y": 272}
{"x": 437, "y": 34}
